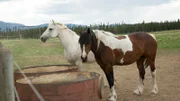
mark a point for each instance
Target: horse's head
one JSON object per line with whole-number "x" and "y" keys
{"x": 52, "y": 30}
{"x": 85, "y": 43}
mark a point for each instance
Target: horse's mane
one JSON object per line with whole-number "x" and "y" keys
{"x": 101, "y": 34}
{"x": 60, "y": 24}
{"x": 71, "y": 31}
{"x": 107, "y": 33}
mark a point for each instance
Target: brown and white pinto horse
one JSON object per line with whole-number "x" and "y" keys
{"x": 138, "y": 47}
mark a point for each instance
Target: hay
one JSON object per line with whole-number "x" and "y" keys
{"x": 46, "y": 69}
{"x": 59, "y": 78}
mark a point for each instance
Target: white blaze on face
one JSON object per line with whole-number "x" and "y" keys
{"x": 84, "y": 52}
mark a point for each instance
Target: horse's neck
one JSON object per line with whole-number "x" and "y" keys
{"x": 68, "y": 38}
{"x": 94, "y": 44}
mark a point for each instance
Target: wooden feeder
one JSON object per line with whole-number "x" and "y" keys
{"x": 43, "y": 70}
{"x": 68, "y": 86}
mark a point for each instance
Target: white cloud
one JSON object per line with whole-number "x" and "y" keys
{"x": 22, "y": 11}
{"x": 32, "y": 12}
{"x": 167, "y": 11}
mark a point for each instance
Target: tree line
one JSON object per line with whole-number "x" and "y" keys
{"x": 117, "y": 28}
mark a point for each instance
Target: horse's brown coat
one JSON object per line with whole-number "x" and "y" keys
{"x": 144, "y": 51}
{"x": 143, "y": 45}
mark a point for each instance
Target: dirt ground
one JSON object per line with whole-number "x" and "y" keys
{"x": 168, "y": 79}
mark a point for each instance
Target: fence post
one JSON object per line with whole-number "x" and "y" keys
{"x": 6, "y": 76}
{"x": 1, "y": 45}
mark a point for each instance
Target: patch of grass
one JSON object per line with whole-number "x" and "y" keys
{"x": 28, "y": 52}
{"x": 168, "y": 39}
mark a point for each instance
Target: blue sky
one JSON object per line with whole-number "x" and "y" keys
{"x": 34, "y": 12}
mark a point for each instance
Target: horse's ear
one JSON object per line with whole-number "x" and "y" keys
{"x": 53, "y": 22}
{"x": 88, "y": 30}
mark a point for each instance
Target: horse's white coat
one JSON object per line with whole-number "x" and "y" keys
{"x": 154, "y": 88}
{"x": 113, "y": 95}
{"x": 113, "y": 43}
{"x": 107, "y": 33}
{"x": 122, "y": 61}
{"x": 109, "y": 40}
{"x": 140, "y": 88}
{"x": 98, "y": 43}
{"x": 69, "y": 40}
{"x": 152, "y": 35}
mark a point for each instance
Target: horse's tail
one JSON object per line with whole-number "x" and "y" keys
{"x": 154, "y": 37}
{"x": 146, "y": 63}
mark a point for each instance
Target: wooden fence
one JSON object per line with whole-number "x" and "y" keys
{"x": 6, "y": 75}
{"x": 11, "y": 37}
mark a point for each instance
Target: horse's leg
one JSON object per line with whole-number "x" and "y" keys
{"x": 110, "y": 77}
{"x": 141, "y": 69}
{"x": 79, "y": 65}
{"x": 153, "y": 73}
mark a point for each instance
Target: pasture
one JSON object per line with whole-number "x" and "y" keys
{"x": 31, "y": 52}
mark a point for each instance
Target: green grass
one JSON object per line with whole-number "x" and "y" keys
{"x": 31, "y": 52}
{"x": 168, "y": 39}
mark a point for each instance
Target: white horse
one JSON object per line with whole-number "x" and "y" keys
{"x": 69, "y": 40}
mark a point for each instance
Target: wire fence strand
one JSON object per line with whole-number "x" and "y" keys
{"x": 30, "y": 83}
{"x": 16, "y": 93}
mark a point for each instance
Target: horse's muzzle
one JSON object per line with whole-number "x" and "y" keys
{"x": 84, "y": 59}
{"x": 43, "y": 39}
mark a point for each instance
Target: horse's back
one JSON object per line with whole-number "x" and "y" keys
{"x": 145, "y": 41}
{"x": 142, "y": 37}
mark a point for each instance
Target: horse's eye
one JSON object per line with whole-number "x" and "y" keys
{"x": 50, "y": 29}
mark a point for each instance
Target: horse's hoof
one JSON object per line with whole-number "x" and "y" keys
{"x": 138, "y": 92}
{"x": 154, "y": 91}
{"x": 112, "y": 98}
